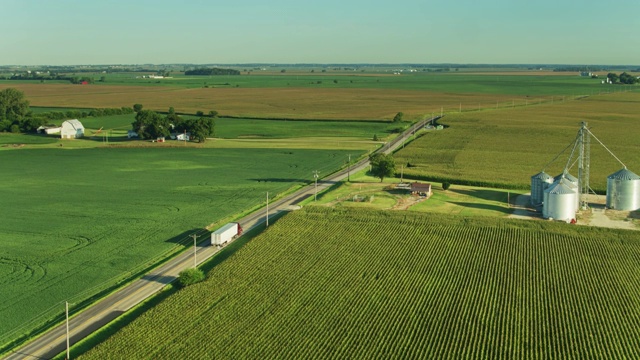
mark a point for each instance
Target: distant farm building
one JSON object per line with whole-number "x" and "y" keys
{"x": 421, "y": 189}
{"x": 49, "y": 129}
{"x": 71, "y": 129}
{"x": 183, "y": 137}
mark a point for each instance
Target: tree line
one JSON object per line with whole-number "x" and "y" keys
{"x": 212, "y": 71}
{"x": 152, "y": 125}
{"x": 49, "y": 76}
{"x": 16, "y": 116}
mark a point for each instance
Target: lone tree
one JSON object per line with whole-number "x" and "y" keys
{"x": 398, "y": 117}
{"x": 382, "y": 165}
{"x": 137, "y": 107}
{"x": 190, "y": 276}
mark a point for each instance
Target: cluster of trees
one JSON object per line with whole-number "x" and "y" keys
{"x": 623, "y": 78}
{"x": 49, "y": 76}
{"x": 151, "y": 125}
{"x": 16, "y": 116}
{"x": 212, "y": 71}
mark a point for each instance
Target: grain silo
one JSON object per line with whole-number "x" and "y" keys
{"x": 572, "y": 182}
{"x": 623, "y": 190}
{"x": 539, "y": 183}
{"x": 560, "y": 201}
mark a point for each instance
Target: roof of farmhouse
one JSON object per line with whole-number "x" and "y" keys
{"x": 420, "y": 187}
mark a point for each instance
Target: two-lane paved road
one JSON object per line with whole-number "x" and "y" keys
{"x": 53, "y": 342}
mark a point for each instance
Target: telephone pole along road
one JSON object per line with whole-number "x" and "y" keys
{"x": 53, "y": 342}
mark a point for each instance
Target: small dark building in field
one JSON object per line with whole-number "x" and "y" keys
{"x": 421, "y": 189}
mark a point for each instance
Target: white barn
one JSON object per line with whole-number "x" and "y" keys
{"x": 72, "y": 129}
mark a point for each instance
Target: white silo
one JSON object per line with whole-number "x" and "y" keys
{"x": 572, "y": 182}
{"x": 539, "y": 183}
{"x": 560, "y": 201}
{"x": 623, "y": 190}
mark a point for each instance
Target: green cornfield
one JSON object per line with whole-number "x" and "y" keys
{"x": 504, "y": 147}
{"x": 339, "y": 283}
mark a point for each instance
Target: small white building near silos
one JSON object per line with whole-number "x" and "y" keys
{"x": 71, "y": 129}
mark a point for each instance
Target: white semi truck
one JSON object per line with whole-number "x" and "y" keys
{"x": 226, "y": 233}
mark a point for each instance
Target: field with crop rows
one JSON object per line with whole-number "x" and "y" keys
{"x": 355, "y": 97}
{"x": 76, "y": 221}
{"x": 507, "y": 146}
{"x": 325, "y": 283}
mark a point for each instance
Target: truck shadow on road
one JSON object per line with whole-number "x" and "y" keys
{"x": 185, "y": 238}
{"x": 162, "y": 279}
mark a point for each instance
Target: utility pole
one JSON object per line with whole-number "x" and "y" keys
{"x": 195, "y": 260}
{"x": 267, "y": 209}
{"x": 66, "y": 310}
{"x": 401, "y": 173}
{"x": 315, "y": 175}
{"x": 349, "y": 170}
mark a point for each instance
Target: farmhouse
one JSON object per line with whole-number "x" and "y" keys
{"x": 421, "y": 189}
{"x": 183, "y": 136}
{"x": 72, "y": 129}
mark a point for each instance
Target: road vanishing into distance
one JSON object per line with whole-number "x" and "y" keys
{"x": 54, "y": 341}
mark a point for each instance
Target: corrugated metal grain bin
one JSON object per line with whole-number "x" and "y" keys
{"x": 623, "y": 190}
{"x": 539, "y": 183}
{"x": 560, "y": 201}
{"x": 572, "y": 182}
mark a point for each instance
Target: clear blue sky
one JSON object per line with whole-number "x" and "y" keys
{"x": 330, "y": 31}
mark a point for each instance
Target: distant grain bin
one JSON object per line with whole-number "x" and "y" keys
{"x": 623, "y": 190}
{"x": 539, "y": 183}
{"x": 560, "y": 201}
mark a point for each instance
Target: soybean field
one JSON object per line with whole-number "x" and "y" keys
{"x": 340, "y": 283}
{"x": 77, "y": 222}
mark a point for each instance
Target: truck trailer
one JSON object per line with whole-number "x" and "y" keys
{"x": 226, "y": 233}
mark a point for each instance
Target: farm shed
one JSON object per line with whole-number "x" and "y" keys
{"x": 421, "y": 188}
{"x": 49, "y": 129}
{"x": 72, "y": 129}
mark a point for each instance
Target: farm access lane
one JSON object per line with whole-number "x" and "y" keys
{"x": 93, "y": 318}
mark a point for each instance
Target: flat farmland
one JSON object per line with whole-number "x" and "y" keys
{"x": 353, "y": 97}
{"x": 75, "y": 222}
{"x": 337, "y": 283}
{"x": 507, "y": 146}
{"x": 303, "y": 103}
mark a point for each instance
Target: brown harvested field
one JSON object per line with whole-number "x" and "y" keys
{"x": 261, "y": 102}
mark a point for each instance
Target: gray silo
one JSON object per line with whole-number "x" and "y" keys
{"x": 623, "y": 190}
{"x": 539, "y": 183}
{"x": 560, "y": 201}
